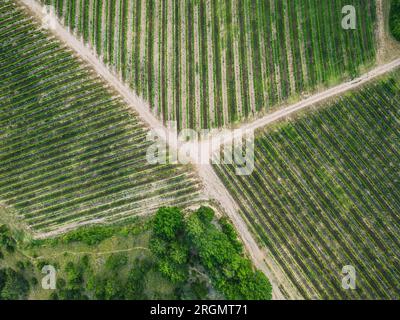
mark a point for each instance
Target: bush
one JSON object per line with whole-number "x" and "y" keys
{"x": 13, "y": 285}
{"x": 177, "y": 243}
{"x": 231, "y": 272}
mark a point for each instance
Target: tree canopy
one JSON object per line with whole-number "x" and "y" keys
{"x": 395, "y": 19}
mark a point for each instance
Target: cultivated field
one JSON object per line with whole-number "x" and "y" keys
{"x": 325, "y": 193}
{"x": 70, "y": 151}
{"x": 210, "y": 63}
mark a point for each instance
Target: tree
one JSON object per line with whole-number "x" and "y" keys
{"x": 13, "y": 285}
{"x": 395, "y": 19}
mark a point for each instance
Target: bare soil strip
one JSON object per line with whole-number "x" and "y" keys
{"x": 312, "y": 100}
{"x": 117, "y": 37}
{"x": 275, "y": 42}
{"x": 142, "y": 59}
{"x": 302, "y": 48}
{"x": 214, "y": 188}
{"x": 170, "y": 62}
{"x": 224, "y": 77}
{"x": 156, "y": 61}
{"x": 130, "y": 37}
{"x": 103, "y": 30}
{"x": 264, "y": 68}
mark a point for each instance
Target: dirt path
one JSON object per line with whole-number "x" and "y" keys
{"x": 380, "y": 30}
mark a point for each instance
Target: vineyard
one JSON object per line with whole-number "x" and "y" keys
{"x": 325, "y": 193}
{"x": 211, "y": 63}
{"x": 70, "y": 150}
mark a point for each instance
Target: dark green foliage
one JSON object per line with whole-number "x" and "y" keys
{"x": 395, "y": 19}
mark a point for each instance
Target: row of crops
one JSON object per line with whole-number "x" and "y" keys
{"x": 70, "y": 150}
{"x": 325, "y": 193}
{"x": 210, "y": 63}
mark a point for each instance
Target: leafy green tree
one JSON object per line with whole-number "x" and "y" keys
{"x": 169, "y": 246}
{"x": 168, "y": 223}
{"x": 13, "y": 285}
{"x": 231, "y": 272}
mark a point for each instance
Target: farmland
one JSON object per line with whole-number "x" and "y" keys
{"x": 71, "y": 151}
{"x": 212, "y": 63}
{"x": 325, "y": 193}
